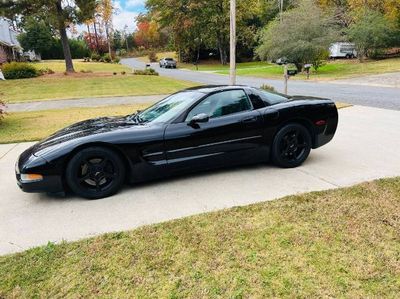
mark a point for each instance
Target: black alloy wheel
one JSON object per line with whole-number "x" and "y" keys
{"x": 292, "y": 146}
{"x": 95, "y": 172}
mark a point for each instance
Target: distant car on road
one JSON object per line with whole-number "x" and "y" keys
{"x": 282, "y": 61}
{"x": 343, "y": 50}
{"x": 168, "y": 63}
{"x": 196, "y": 129}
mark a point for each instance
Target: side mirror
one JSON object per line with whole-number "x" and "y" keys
{"x": 199, "y": 118}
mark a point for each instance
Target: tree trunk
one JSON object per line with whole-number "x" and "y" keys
{"x": 90, "y": 37}
{"x": 95, "y": 36}
{"x": 109, "y": 42}
{"x": 222, "y": 52}
{"x": 299, "y": 66}
{"x": 64, "y": 39}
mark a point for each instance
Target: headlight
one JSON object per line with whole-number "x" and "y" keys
{"x": 31, "y": 178}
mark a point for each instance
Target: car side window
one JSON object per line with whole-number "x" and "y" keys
{"x": 270, "y": 98}
{"x": 256, "y": 100}
{"x": 221, "y": 104}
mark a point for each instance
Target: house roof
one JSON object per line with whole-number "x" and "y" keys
{"x": 8, "y": 37}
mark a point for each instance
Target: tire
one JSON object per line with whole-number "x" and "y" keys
{"x": 95, "y": 172}
{"x": 291, "y": 146}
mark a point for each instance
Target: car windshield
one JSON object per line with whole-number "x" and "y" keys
{"x": 169, "y": 108}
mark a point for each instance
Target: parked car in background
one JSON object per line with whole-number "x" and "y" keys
{"x": 168, "y": 63}
{"x": 282, "y": 61}
{"x": 342, "y": 50}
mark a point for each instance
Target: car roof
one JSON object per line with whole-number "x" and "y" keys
{"x": 214, "y": 88}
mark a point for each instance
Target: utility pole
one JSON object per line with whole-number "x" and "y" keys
{"x": 285, "y": 78}
{"x": 233, "y": 43}
{"x": 280, "y": 10}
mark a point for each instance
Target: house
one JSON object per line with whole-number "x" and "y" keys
{"x": 10, "y": 49}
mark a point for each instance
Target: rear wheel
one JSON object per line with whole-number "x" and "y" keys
{"x": 291, "y": 146}
{"x": 95, "y": 172}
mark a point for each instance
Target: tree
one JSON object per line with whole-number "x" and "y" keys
{"x": 37, "y": 36}
{"x": 194, "y": 21}
{"x": 58, "y": 13}
{"x": 370, "y": 32}
{"x": 303, "y": 36}
{"x": 105, "y": 11}
{"x": 117, "y": 40}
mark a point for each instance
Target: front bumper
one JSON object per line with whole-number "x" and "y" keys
{"x": 49, "y": 184}
{"x": 28, "y": 163}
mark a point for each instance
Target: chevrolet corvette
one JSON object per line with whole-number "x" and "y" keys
{"x": 192, "y": 130}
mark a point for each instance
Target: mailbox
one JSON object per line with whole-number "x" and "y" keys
{"x": 292, "y": 72}
{"x": 307, "y": 67}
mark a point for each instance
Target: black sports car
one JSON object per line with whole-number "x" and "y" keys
{"x": 195, "y": 129}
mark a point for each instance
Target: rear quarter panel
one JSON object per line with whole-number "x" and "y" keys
{"x": 306, "y": 112}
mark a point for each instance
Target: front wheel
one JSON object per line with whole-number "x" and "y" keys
{"x": 291, "y": 146}
{"x": 95, "y": 172}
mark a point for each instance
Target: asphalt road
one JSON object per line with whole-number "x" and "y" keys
{"x": 364, "y": 148}
{"x": 351, "y": 92}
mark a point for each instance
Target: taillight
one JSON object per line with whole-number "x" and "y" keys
{"x": 320, "y": 122}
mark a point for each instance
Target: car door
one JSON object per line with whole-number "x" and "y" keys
{"x": 232, "y": 135}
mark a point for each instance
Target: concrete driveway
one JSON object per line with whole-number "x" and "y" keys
{"x": 366, "y": 147}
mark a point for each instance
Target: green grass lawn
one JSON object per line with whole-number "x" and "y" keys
{"x": 100, "y": 83}
{"x": 339, "y": 69}
{"x": 343, "y": 243}
{"x": 36, "y": 125}
{"x": 58, "y": 66}
{"x": 68, "y": 87}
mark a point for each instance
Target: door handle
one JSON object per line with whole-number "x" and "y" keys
{"x": 249, "y": 120}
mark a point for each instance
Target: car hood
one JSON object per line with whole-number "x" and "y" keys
{"x": 85, "y": 128}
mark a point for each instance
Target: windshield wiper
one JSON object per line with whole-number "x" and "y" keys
{"x": 135, "y": 117}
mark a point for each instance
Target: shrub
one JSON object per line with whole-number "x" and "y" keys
{"x": 146, "y": 72}
{"x": 19, "y": 70}
{"x": 96, "y": 57}
{"x": 153, "y": 56}
{"x": 122, "y": 52}
{"x": 268, "y": 87}
{"x": 2, "y": 110}
{"x": 123, "y": 73}
{"x": 107, "y": 58}
{"x": 46, "y": 71}
{"x": 117, "y": 59}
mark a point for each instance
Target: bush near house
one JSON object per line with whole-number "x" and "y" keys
{"x": 2, "y": 110}
{"x": 107, "y": 58}
{"x": 96, "y": 57}
{"x": 19, "y": 70}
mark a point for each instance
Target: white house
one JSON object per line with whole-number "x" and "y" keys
{"x": 10, "y": 49}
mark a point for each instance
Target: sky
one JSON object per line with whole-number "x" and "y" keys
{"x": 126, "y": 12}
